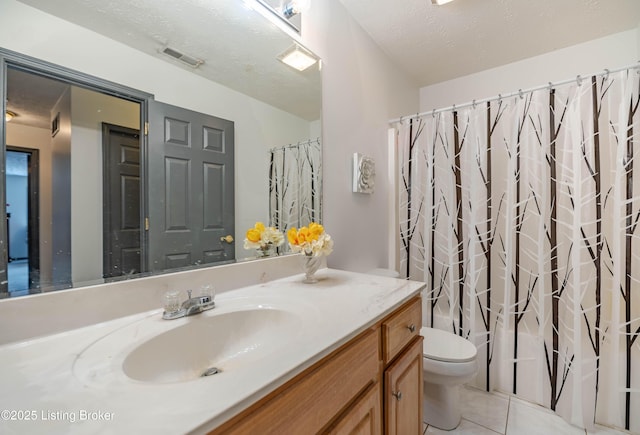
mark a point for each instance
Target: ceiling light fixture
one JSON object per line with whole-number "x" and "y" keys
{"x": 440, "y": 2}
{"x": 9, "y": 115}
{"x": 298, "y": 57}
{"x": 294, "y": 7}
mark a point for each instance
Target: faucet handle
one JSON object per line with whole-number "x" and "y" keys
{"x": 207, "y": 290}
{"x": 171, "y": 301}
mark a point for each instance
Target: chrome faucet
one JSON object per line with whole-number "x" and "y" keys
{"x": 193, "y": 305}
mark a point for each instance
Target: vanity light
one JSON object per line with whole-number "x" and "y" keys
{"x": 440, "y": 2}
{"x": 9, "y": 115}
{"x": 298, "y": 57}
{"x": 294, "y": 7}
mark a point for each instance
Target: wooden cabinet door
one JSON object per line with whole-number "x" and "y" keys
{"x": 364, "y": 417}
{"x": 403, "y": 392}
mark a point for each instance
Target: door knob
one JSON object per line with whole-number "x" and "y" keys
{"x": 228, "y": 239}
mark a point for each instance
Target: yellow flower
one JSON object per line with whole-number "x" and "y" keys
{"x": 304, "y": 235}
{"x": 316, "y": 230}
{"x": 292, "y": 235}
{"x": 253, "y": 235}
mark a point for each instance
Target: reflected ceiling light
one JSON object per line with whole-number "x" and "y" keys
{"x": 9, "y": 115}
{"x": 298, "y": 57}
{"x": 294, "y": 7}
{"x": 440, "y": 2}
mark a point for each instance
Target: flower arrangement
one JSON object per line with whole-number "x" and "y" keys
{"x": 263, "y": 238}
{"x": 310, "y": 241}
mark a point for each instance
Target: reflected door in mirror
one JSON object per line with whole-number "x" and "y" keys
{"x": 191, "y": 191}
{"x": 121, "y": 210}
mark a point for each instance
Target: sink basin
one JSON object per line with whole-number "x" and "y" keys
{"x": 224, "y": 341}
{"x": 150, "y": 350}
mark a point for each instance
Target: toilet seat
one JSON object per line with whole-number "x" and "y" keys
{"x": 445, "y": 346}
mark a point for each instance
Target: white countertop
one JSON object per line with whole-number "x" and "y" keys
{"x": 71, "y": 382}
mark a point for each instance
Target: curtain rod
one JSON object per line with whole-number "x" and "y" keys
{"x": 299, "y": 144}
{"x": 519, "y": 92}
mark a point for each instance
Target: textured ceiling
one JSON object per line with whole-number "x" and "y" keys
{"x": 31, "y": 97}
{"x": 437, "y": 43}
{"x": 238, "y": 45}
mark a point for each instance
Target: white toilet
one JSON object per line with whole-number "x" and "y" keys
{"x": 448, "y": 361}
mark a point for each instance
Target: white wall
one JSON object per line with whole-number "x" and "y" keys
{"x": 613, "y": 51}
{"x": 361, "y": 91}
{"x": 258, "y": 126}
{"x": 61, "y": 194}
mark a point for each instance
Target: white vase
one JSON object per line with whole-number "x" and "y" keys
{"x": 311, "y": 266}
{"x": 266, "y": 251}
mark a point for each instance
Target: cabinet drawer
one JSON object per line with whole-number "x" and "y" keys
{"x": 399, "y": 329}
{"x": 364, "y": 417}
{"x": 310, "y": 401}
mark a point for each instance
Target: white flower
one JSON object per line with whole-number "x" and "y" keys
{"x": 261, "y": 237}
{"x": 272, "y": 236}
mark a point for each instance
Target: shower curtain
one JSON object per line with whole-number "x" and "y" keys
{"x": 295, "y": 185}
{"x": 521, "y": 215}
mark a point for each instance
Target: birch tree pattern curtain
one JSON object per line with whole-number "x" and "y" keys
{"x": 295, "y": 185}
{"x": 522, "y": 215}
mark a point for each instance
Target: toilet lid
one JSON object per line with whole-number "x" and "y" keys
{"x": 446, "y": 346}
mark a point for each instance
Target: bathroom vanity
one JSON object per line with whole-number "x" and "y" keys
{"x": 332, "y": 357}
{"x": 375, "y": 377}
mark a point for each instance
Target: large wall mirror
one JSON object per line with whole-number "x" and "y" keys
{"x": 101, "y": 105}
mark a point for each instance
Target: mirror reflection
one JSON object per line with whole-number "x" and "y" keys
{"x": 73, "y": 221}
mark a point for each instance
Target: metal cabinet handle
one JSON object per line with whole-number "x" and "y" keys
{"x": 412, "y": 328}
{"x": 397, "y": 395}
{"x": 228, "y": 239}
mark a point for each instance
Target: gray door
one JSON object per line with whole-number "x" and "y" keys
{"x": 191, "y": 193}
{"x": 121, "y": 201}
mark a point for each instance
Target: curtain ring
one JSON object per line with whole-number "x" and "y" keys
{"x": 400, "y": 122}
{"x": 433, "y": 113}
{"x": 606, "y": 74}
{"x": 499, "y": 98}
{"x": 550, "y": 85}
{"x": 520, "y": 94}
{"x": 579, "y": 80}
{"x": 453, "y": 108}
{"x": 473, "y": 104}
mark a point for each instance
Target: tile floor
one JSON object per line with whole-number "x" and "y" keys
{"x": 496, "y": 413}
